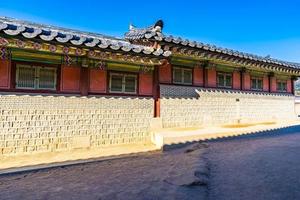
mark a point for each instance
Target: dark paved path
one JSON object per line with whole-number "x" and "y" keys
{"x": 260, "y": 167}
{"x": 256, "y": 168}
{"x": 178, "y": 174}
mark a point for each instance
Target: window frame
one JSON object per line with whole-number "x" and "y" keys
{"x": 256, "y": 80}
{"x": 36, "y": 67}
{"x": 281, "y": 81}
{"x": 55, "y": 78}
{"x": 123, "y": 74}
{"x": 224, "y": 76}
{"x": 182, "y": 69}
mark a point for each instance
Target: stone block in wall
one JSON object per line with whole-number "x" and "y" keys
{"x": 81, "y": 142}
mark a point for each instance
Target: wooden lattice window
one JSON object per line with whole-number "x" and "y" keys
{"x": 256, "y": 83}
{"x": 182, "y": 75}
{"x": 224, "y": 80}
{"x": 123, "y": 83}
{"x": 35, "y": 77}
{"x": 281, "y": 86}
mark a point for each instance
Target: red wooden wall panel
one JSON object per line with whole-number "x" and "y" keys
{"x": 198, "y": 76}
{"x": 211, "y": 77}
{"x": 236, "y": 80}
{"x": 98, "y": 81}
{"x": 273, "y": 84}
{"x": 70, "y": 79}
{"x": 165, "y": 74}
{"x": 5, "y": 69}
{"x": 246, "y": 81}
{"x": 266, "y": 83}
{"x": 145, "y": 84}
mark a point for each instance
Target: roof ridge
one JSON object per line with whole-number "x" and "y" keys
{"x": 267, "y": 57}
{"x": 146, "y": 33}
{"x": 59, "y": 28}
{"x": 13, "y": 27}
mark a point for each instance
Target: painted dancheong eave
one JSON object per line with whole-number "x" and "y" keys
{"x": 196, "y": 50}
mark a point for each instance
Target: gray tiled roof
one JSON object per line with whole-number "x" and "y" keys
{"x": 151, "y": 33}
{"x": 31, "y": 30}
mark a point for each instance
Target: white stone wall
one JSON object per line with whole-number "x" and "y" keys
{"x": 182, "y": 107}
{"x": 297, "y": 109}
{"x": 35, "y": 123}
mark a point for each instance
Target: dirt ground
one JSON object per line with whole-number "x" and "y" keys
{"x": 260, "y": 167}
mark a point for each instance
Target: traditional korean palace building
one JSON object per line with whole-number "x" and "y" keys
{"x": 64, "y": 89}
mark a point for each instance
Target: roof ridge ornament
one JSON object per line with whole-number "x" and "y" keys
{"x": 131, "y": 27}
{"x": 158, "y": 26}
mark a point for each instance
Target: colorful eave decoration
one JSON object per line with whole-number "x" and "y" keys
{"x": 29, "y": 36}
{"x": 200, "y": 51}
{"x": 141, "y": 46}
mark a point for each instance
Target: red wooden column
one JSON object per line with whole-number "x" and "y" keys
{"x": 204, "y": 75}
{"x": 293, "y": 85}
{"x": 290, "y": 86}
{"x": 242, "y": 70}
{"x": 156, "y": 90}
{"x": 269, "y": 79}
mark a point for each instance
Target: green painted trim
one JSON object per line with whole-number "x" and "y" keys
{"x": 35, "y": 52}
{"x": 257, "y": 73}
{"x": 35, "y": 60}
{"x": 34, "y": 56}
{"x": 126, "y": 67}
{"x": 122, "y": 67}
{"x": 225, "y": 68}
{"x": 282, "y": 77}
{"x": 183, "y": 64}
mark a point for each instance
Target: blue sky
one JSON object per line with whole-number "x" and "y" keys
{"x": 263, "y": 27}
